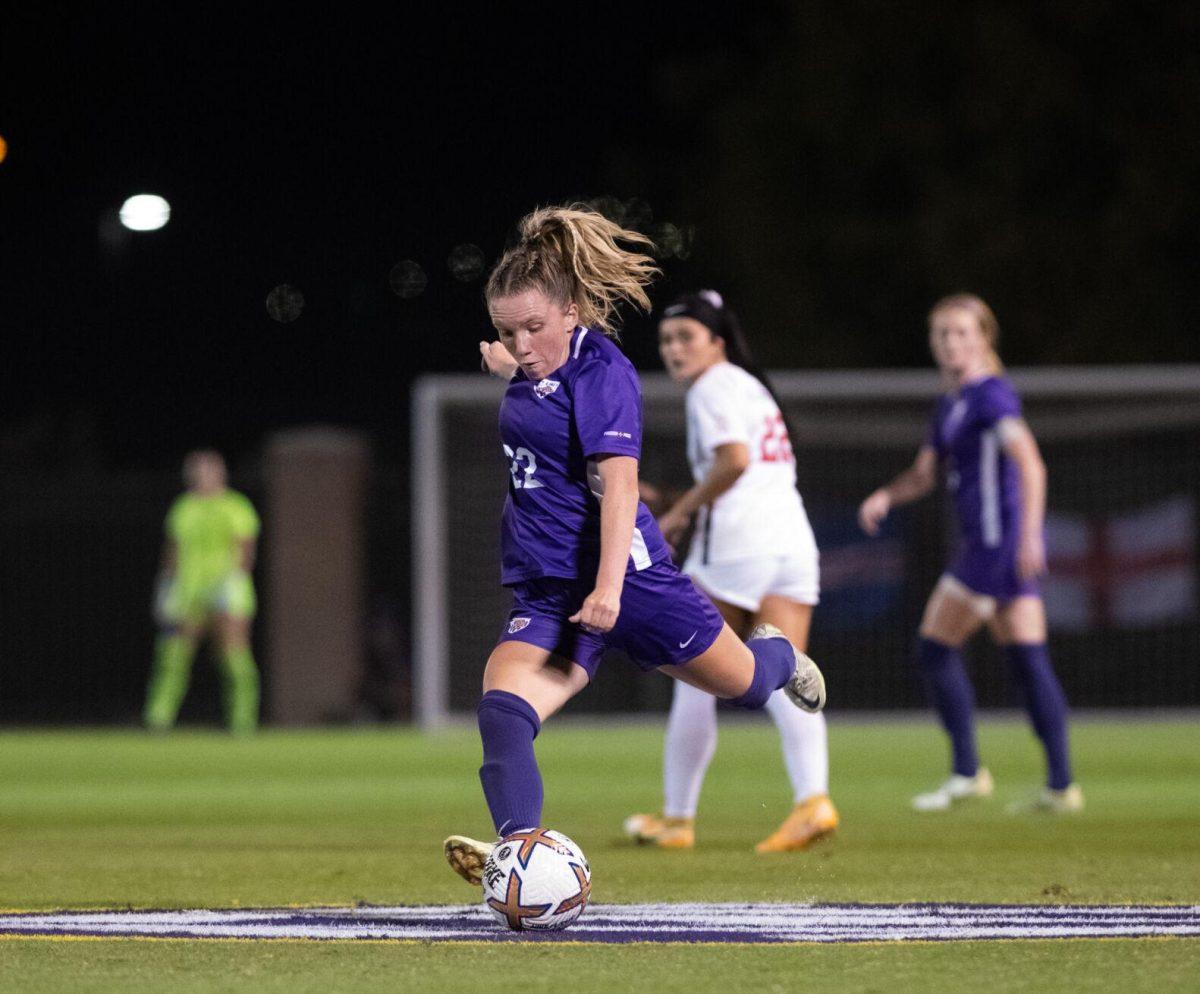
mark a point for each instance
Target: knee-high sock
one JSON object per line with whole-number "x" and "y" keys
{"x": 774, "y": 664}
{"x": 1046, "y": 704}
{"x": 690, "y": 743}
{"x": 805, "y": 746}
{"x": 512, "y": 783}
{"x": 954, "y": 698}
{"x": 169, "y": 681}
{"x": 241, "y": 690}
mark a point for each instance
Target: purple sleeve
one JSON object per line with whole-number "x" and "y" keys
{"x": 608, "y": 409}
{"x": 998, "y": 400}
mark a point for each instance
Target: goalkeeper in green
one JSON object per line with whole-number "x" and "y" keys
{"x": 205, "y": 588}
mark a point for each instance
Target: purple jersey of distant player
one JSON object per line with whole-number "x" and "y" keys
{"x": 985, "y": 483}
{"x": 552, "y": 431}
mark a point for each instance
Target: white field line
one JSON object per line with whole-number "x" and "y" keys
{"x": 627, "y": 923}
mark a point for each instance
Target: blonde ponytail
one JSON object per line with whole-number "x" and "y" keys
{"x": 572, "y": 254}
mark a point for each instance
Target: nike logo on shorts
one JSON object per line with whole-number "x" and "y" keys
{"x": 684, "y": 645}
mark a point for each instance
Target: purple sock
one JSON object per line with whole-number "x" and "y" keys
{"x": 774, "y": 664}
{"x": 1046, "y": 704}
{"x": 954, "y": 699}
{"x": 509, "y": 774}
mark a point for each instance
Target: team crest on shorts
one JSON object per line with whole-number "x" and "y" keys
{"x": 517, "y": 624}
{"x": 545, "y": 387}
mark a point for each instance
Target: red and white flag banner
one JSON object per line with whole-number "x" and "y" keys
{"x": 1133, "y": 570}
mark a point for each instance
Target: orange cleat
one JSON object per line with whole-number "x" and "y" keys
{"x": 677, "y": 833}
{"x": 666, "y": 833}
{"x": 812, "y": 819}
{"x": 642, "y": 828}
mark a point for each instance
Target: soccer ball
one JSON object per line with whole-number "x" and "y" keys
{"x": 537, "y": 879}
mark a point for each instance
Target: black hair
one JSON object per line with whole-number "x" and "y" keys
{"x": 708, "y": 307}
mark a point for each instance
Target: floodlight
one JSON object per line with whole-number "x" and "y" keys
{"x": 145, "y": 212}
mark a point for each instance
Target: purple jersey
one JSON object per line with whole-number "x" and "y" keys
{"x": 984, "y": 481}
{"x": 552, "y": 431}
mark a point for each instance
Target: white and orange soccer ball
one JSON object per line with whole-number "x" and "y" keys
{"x": 538, "y": 879}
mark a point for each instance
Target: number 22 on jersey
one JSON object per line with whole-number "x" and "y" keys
{"x": 522, "y": 467}
{"x": 774, "y": 446}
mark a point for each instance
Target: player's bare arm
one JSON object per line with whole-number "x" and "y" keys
{"x": 618, "y": 510}
{"x": 168, "y": 562}
{"x": 247, "y": 553}
{"x": 914, "y": 483}
{"x": 730, "y": 461}
{"x": 1022, "y": 448}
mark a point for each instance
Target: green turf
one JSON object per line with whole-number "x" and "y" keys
{"x": 117, "y": 819}
{"x": 120, "y": 967}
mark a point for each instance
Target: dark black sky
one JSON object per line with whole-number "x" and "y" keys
{"x": 315, "y": 153}
{"x": 319, "y": 151}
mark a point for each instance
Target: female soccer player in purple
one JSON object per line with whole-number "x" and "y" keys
{"x": 587, "y": 565}
{"x": 998, "y": 480}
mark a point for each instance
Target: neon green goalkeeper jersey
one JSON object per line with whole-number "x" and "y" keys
{"x": 208, "y": 532}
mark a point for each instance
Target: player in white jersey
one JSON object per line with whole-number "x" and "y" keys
{"x": 752, "y": 552}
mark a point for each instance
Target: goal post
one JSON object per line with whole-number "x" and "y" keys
{"x": 432, "y": 395}
{"x": 1122, "y": 444}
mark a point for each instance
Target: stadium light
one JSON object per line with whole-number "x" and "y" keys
{"x": 145, "y": 212}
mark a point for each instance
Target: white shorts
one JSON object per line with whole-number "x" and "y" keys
{"x": 745, "y": 582}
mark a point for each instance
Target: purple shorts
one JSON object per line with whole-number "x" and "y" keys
{"x": 992, "y": 571}
{"x": 664, "y": 619}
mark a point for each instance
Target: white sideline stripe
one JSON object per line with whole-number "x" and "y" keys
{"x": 749, "y": 913}
{"x": 491, "y": 930}
{"x": 646, "y": 922}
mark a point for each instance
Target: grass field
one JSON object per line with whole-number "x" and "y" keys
{"x": 118, "y": 819}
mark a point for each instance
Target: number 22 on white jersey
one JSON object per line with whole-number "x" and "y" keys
{"x": 773, "y": 445}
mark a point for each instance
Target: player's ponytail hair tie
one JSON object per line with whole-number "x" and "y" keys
{"x": 574, "y": 254}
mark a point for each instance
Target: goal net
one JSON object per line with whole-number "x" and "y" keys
{"x": 1122, "y": 445}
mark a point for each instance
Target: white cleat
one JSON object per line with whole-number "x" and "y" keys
{"x": 1067, "y": 801}
{"x": 806, "y": 688}
{"x": 643, "y": 828}
{"x": 957, "y": 788}
{"x": 467, "y": 856}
